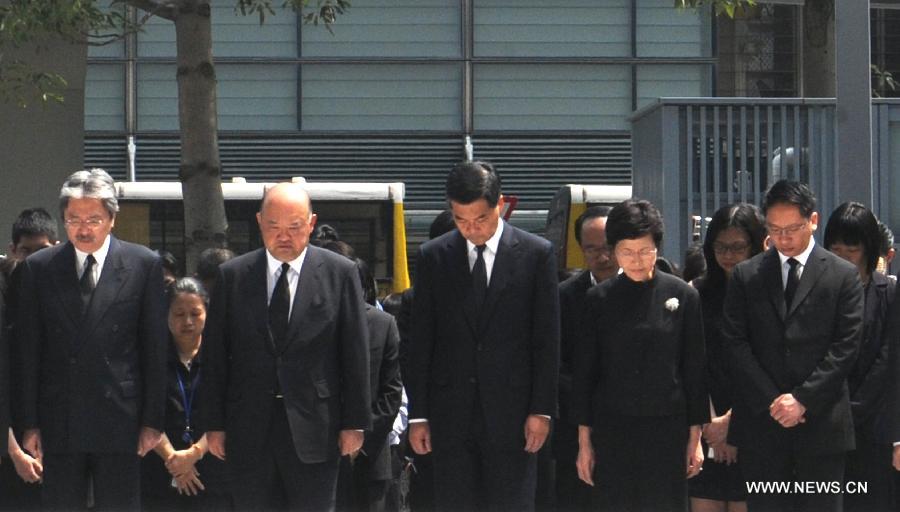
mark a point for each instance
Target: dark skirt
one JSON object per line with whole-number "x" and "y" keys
{"x": 718, "y": 481}
{"x": 640, "y": 463}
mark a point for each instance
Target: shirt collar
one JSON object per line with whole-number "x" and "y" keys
{"x": 493, "y": 243}
{"x": 274, "y": 265}
{"x": 803, "y": 256}
{"x": 99, "y": 254}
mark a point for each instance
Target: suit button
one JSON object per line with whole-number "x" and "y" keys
{"x": 480, "y": 347}
{"x": 72, "y": 360}
{"x": 107, "y": 394}
{"x": 473, "y": 380}
{"x": 787, "y": 351}
{"x": 115, "y": 328}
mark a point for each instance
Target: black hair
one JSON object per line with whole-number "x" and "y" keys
{"x": 633, "y": 218}
{"x": 743, "y": 216}
{"x": 209, "y": 261}
{"x": 392, "y": 303}
{"x": 887, "y": 239}
{"x": 169, "y": 262}
{"x": 852, "y": 223}
{"x": 792, "y": 193}
{"x": 370, "y": 290}
{"x": 441, "y": 224}
{"x": 325, "y": 233}
{"x": 694, "y": 263}
{"x": 34, "y": 222}
{"x": 187, "y": 285}
{"x": 592, "y": 212}
{"x": 470, "y": 181}
{"x": 338, "y": 246}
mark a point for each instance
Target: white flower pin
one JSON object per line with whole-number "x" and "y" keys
{"x": 672, "y": 304}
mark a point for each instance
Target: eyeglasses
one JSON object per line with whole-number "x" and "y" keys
{"x": 645, "y": 253}
{"x": 786, "y": 231}
{"x": 594, "y": 251}
{"x": 734, "y": 248}
{"x": 91, "y": 223}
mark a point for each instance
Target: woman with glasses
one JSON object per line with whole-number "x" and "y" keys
{"x": 734, "y": 234}
{"x": 180, "y": 477}
{"x": 853, "y": 234}
{"x": 639, "y": 388}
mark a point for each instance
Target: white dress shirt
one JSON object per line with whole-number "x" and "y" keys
{"x": 99, "y": 258}
{"x": 801, "y": 258}
{"x": 489, "y": 254}
{"x": 274, "y": 272}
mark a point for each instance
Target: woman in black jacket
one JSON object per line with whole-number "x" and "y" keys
{"x": 735, "y": 233}
{"x": 639, "y": 396}
{"x": 852, "y": 233}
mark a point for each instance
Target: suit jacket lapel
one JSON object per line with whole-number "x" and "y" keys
{"x": 501, "y": 272}
{"x": 257, "y": 296}
{"x": 771, "y": 271}
{"x": 113, "y": 275}
{"x": 812, "y": 271}
{"x": 65, "y": 278}
{"x": 307, "y": 291}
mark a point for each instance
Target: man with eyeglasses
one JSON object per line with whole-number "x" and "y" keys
{"x": 792, "y": 328}
{"x": 91, "y": 329}
{"x": 600, "y": 263}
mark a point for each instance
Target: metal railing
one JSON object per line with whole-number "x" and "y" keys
{"x": 694, "y": 155}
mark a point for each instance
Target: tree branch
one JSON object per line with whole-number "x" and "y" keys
{"x": 165, "y": 9}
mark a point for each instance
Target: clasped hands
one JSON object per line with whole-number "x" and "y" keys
{"x": 787, "y": 411}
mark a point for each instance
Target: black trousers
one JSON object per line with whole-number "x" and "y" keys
{"x": 116, "y": 481}
{"x": 870, "y": 464}
{"x": 279, "y": 480}
{"x": 472, "y": 474}
{"x": 781, "y": 464}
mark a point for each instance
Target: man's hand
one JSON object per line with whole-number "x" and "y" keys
{"x": 183, "y": 461}
{"x": 147, "y": 440}
{"x": 350, "y": 441}
{"x": 31, "y": 442}
{"x": 896, "y": 460}
{"x": 420, "y": 437}
{"x": 189, "y": 483}
{"x": 787, "y": 411}
{"x": 216, "y": 441}
{"x": 716, "y": 431}
{"x": 537, "y": 428}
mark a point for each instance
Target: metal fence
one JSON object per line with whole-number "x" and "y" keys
{"x": 694, "y": 155}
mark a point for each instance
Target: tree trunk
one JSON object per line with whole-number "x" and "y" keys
{"x": 818, "y": 50}
{"x": 205, "y": 224}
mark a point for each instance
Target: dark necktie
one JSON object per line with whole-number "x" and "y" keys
{"x": 86, "y": 283}
{"x": 479, "y": 278}
{"x": 280, "y": 308}
{"x": 792, "y": 281}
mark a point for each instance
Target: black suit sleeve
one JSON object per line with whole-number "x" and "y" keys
{"x": 755, "y": 386}
{"x": 693, "y": 361}
{"x": 353, "y": 351}
{"x": 545, "y": 337}
{"x": 28, "y": 333}
{"x": 4, "y": 376}
{"x": 214, "y": 353}
{"x": 586, "y": 370}
{"x": 422, "y": 337}
{"x": 389, "y": 390}
{"x": 825, "y": 382}
{"x": 153, "y": 339}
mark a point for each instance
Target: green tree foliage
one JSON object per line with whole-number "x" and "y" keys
{"x": 730, "y": 7}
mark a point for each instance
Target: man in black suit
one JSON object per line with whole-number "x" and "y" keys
{"x": 288, "y": 350}
{"x": 91, "y": 331}
{"x": 590, "y": 232}
{"x": 484, "y": 361}
{"x": 792, "y": 327}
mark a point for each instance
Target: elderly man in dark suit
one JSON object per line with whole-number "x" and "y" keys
{"x": 590, "y": 233}
{"x": 91, "y": 331}
{"x": 484, "y": 361}
{"x": 793, "y": 322}
{"x": 288, "y": 350}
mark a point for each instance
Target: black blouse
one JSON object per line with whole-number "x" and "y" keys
{"x": 642, "y": 352}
